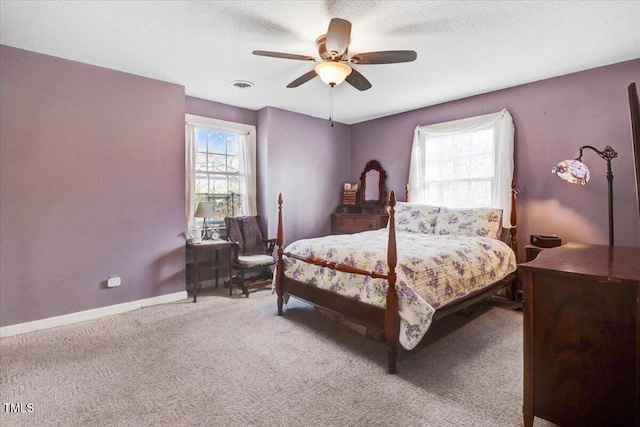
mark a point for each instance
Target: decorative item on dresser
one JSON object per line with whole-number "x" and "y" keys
{"x": 369, "y": 213}
{"x": 582, "y": 336}
{"x": 545, "y": 241}
{"x": 350, "y": 194}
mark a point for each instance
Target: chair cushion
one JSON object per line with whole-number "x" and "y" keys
{"x": 255, "y": 260}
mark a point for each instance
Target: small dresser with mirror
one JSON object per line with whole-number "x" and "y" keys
{"x": 369, "y": 212}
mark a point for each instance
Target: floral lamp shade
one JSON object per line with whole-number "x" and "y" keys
{"x": 576, "y": 172}
{"x": 573, "y": 171}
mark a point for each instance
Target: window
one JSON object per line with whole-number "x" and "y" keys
{"x": 464, "y": 163}
{"x": 460, "y": 169}
{"x": 218, "y": 172}
{"x": 220, "y": 165}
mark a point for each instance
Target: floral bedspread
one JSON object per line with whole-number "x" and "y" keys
{"x": 432, "y": 270}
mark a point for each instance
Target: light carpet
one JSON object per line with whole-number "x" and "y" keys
{"x": 231, "y": 361}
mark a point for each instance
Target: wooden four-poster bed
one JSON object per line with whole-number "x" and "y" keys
{"x": 383, "y": 319}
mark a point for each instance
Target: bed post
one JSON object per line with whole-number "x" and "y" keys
{"x": 514, "y": 218}
{"x": 279, "y": 265}
{"x": 514, "y": 240}
{"x": 391, "y": 315}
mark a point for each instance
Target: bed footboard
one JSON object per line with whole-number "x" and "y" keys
{"x": 381, "y": 320}
{"x": 326, "y": 300}
{"x": 280, "y": 264}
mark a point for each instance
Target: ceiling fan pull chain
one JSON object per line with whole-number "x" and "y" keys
{"x": 331, "y": 104}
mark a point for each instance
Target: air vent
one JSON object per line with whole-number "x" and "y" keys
{"x": 242, "y": 84}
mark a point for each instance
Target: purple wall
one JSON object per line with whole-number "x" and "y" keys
{"x": 92, "y": 173}
{"x": 553, "y": 119}
{"x": 216, "y": 110}
{"x": 306, "y": 160}
{"x": 92, "y": 186}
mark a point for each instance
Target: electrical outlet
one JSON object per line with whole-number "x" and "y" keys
{"x": 112, "y": 282}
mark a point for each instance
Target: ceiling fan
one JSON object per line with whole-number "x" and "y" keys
{"x": 333, "y": 67}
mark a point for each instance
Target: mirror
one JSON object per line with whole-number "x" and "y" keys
{"x": 372, "y": 184}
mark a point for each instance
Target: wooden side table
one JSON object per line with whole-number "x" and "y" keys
{"x": 532, "y": 251}
{"x": 215, "y": 246}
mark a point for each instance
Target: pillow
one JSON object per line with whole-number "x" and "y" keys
{"x": 234, "y": 231}
{"x": 252, "y": 236}
{"x": 485, "y": 222}
{"x": 416, "y": 218}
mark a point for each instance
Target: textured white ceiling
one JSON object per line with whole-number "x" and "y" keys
{"x": 464, "y": 48}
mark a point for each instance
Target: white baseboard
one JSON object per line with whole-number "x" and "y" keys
{"x": 81, "y": 316}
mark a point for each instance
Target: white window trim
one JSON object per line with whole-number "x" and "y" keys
{"x": 249, "y": 206}
{"x": 220, "y": 124}
{"x": 504, "y": 132}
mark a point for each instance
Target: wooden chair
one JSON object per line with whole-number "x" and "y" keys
{"x": 252, "y": 254}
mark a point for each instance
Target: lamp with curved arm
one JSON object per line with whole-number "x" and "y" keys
{"x": 577, "y": 172}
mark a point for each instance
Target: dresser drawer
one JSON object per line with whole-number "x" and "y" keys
{"x": 355, "y": 223}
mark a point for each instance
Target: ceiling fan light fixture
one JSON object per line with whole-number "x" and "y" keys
{"x": 333, "y": 72}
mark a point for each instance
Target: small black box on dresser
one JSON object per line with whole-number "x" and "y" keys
{"x": 545, "y": 241}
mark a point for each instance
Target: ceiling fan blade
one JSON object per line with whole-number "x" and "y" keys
{"x": 302, "y": 79}
{"x": 338, "y": 36}
{"x": 384, "y": 57}
{"x": 283, "y": 55}
{"x": 357, "y": 80}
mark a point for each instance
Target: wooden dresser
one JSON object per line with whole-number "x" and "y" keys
{"x": 347, "y": 223}
{"x": 582, "y": 336}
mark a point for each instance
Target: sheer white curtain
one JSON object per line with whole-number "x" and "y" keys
{"x": 247, "y": 143}
{"x": 191, "y": 139}
{"x": 423, "y": 181}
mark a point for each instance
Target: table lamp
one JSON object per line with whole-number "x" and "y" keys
{"x": 577, "y": 172}
{"x": 204, "y": 211}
